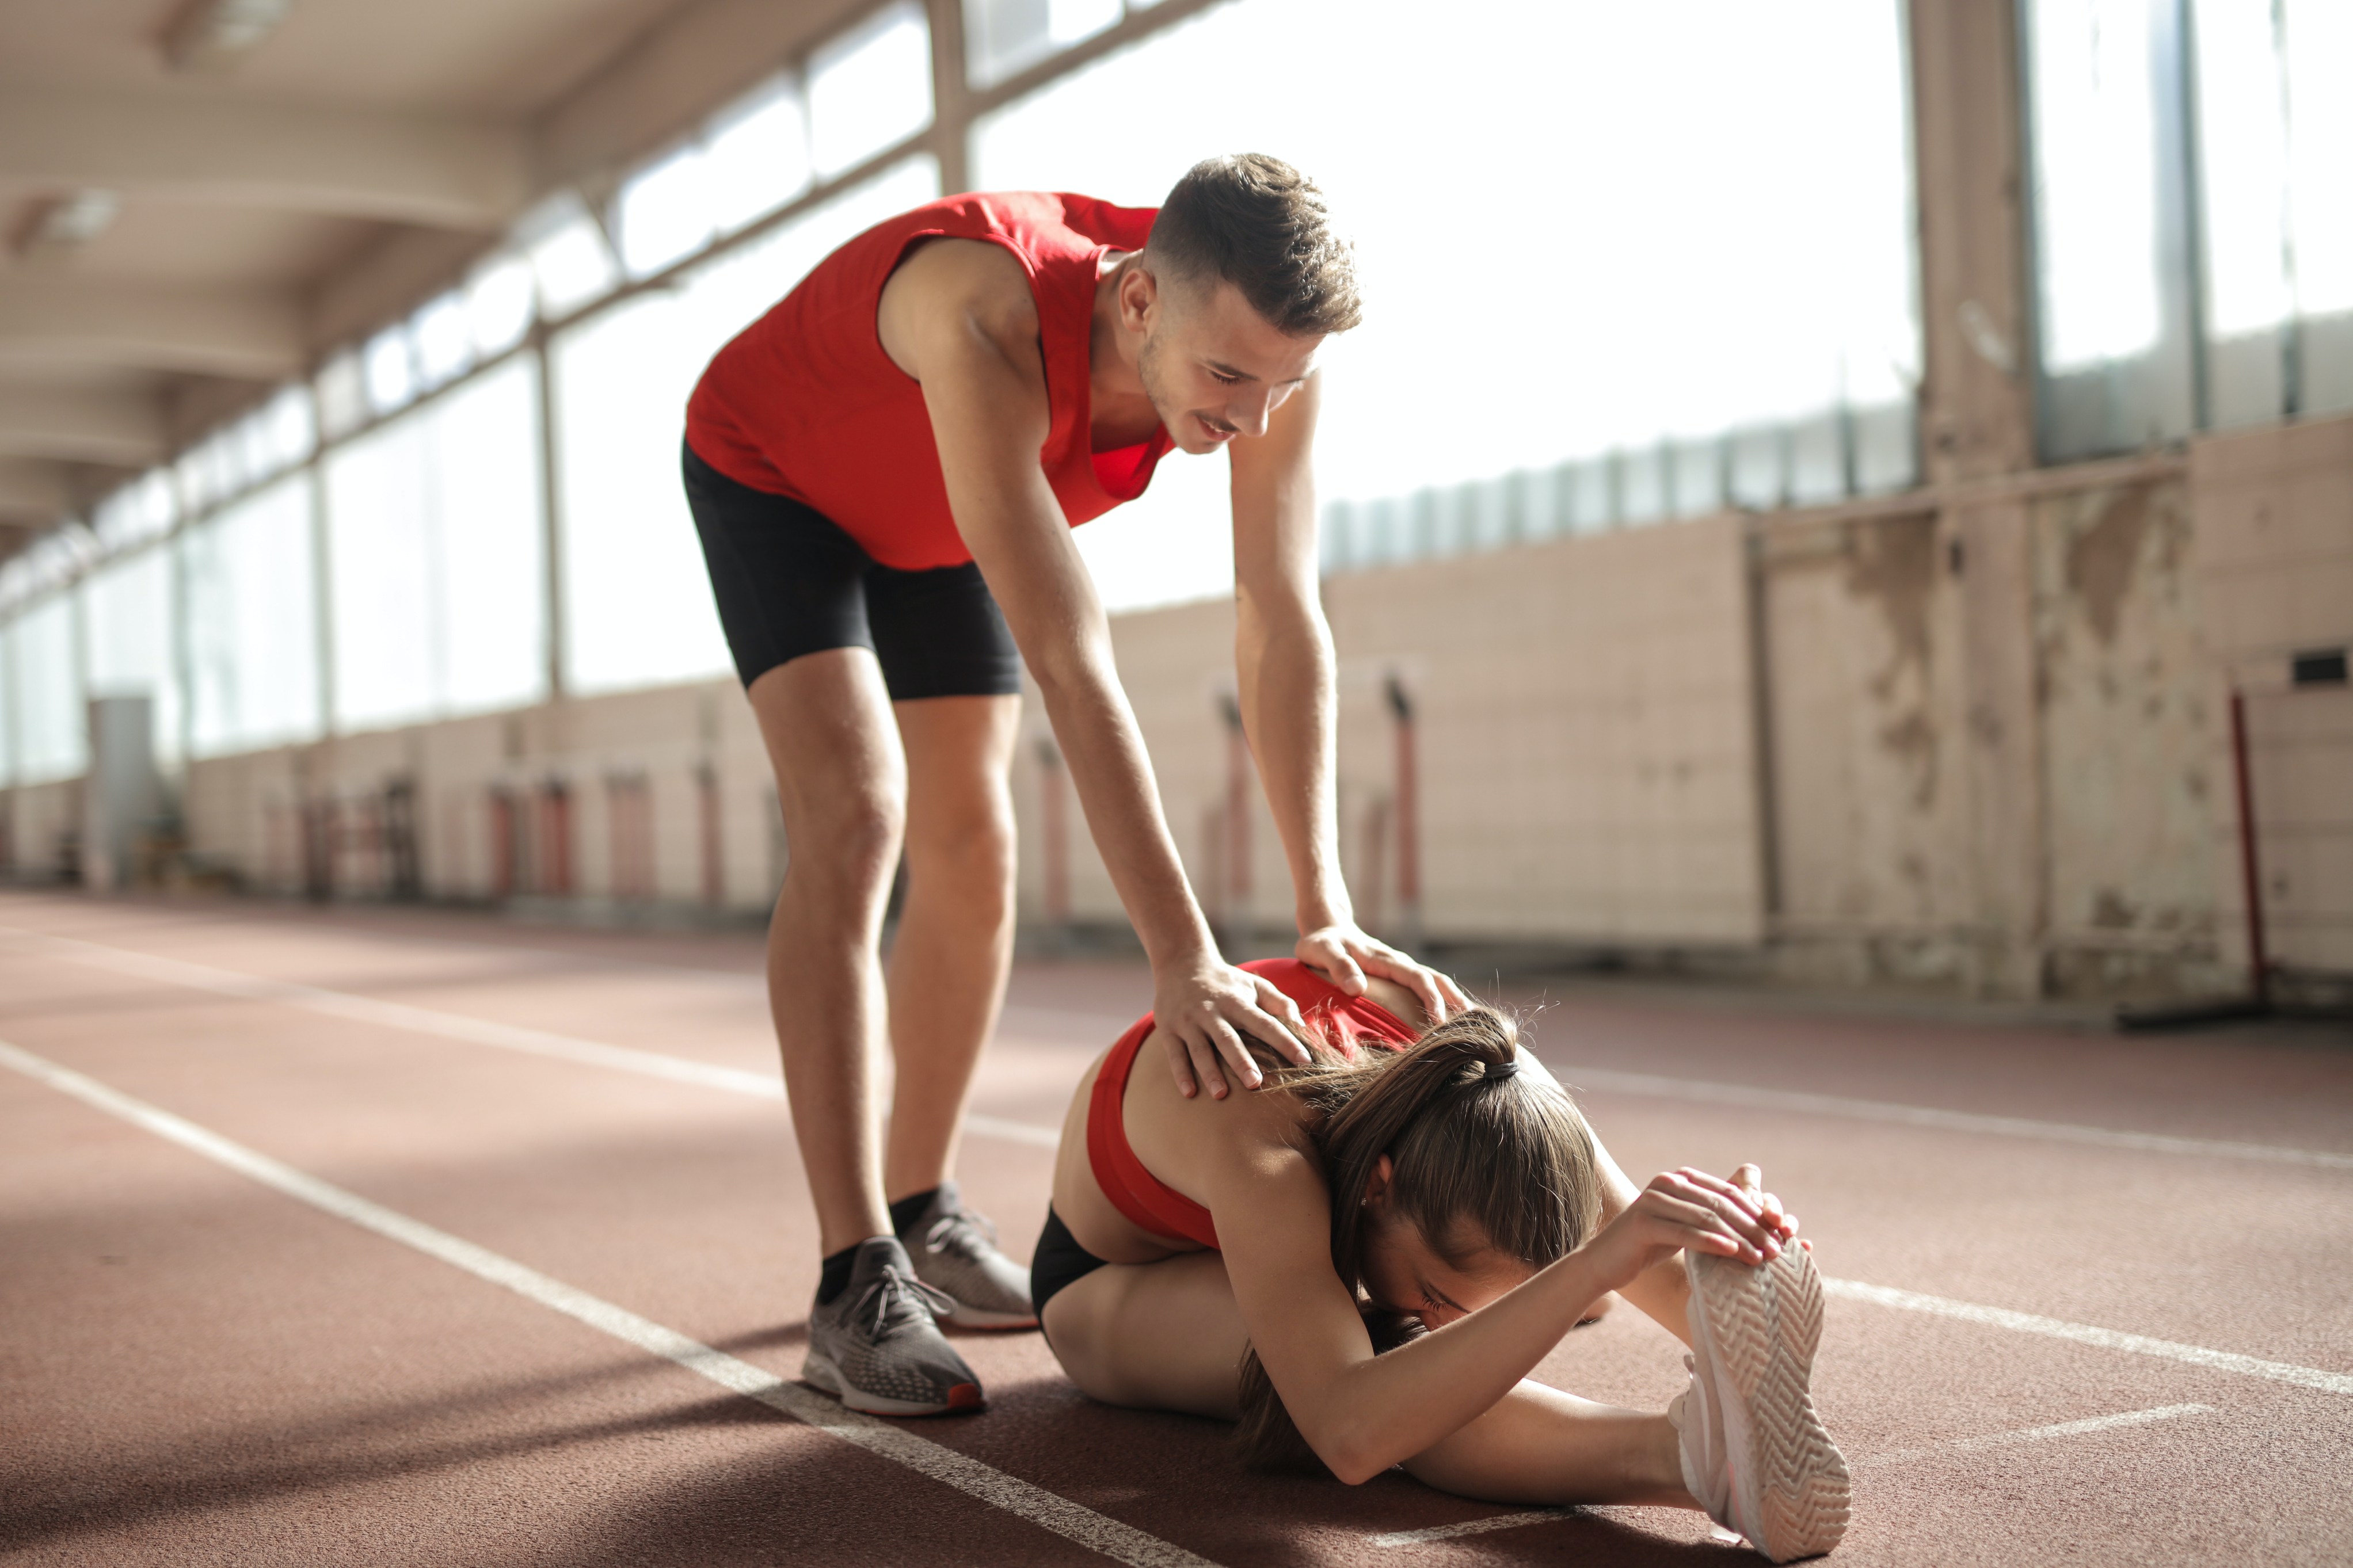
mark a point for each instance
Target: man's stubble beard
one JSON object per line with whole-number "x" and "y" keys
{"x": 1147, "y": 370}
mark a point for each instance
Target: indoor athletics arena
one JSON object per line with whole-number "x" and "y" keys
{"x": 573, "y": 885}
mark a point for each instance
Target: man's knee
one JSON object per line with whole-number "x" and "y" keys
{"x": 854, "y": 838}
{"x": 971, "y": 850}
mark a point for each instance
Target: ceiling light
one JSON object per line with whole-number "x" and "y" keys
{"x": 214, "y": 35}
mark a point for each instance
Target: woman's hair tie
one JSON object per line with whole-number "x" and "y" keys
{"x": 1498, "y": 1072}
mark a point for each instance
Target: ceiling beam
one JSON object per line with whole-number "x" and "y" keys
{"x": 81, "y": 424}
{"x": 442, "y": 174}
{"x": 679, "y": 69}
{"x": 33, "y": 489}
{"x": 62, "y": 319}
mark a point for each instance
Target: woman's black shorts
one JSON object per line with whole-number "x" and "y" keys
{"x": 791, "y": 582}
{"x": 1061, "y": 1261}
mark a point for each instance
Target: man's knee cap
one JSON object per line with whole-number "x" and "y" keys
{"x": 860, "y": 835}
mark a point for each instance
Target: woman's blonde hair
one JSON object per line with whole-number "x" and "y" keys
{"x": 1482, "y": 1155}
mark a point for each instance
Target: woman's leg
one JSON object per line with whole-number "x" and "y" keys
{"x": 1542, "y": 1445}
{"x": 1168, "y": 1336}
{"x": 1152, "y": 1336}
{"x": 1661, "y": 1291}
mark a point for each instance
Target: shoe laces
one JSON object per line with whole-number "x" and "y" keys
{"x": 961, "y": 1231}
{"x": 891, "y": 1293}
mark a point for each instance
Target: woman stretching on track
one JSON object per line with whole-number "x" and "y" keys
{"x": 1438, "y": 1196}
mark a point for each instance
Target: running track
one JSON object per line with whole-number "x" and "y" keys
{"x": 426, "y": 1238}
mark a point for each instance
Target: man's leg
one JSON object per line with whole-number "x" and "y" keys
{"x": 841, "y": 786}
{"x": 954, "y": 941}
{"x": 948, "y": 963}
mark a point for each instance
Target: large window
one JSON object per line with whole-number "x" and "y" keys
{"x": 9, "y": 703}
{"x": 2275, "y": 157}
{"x": 52, "y": 735}
{"x": 2194, "y": 239}
{"x": 870, "y": 89}
{"x": 435, "y": 531}
{"x": 1581, "y": 234}
{"x": 638, "y": 607}
{"x": 253, "y": 639}
{"x": 130, "y": 625}
{"x": 1623, "y": 262}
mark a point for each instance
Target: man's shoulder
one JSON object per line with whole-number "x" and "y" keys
{"x": 953, "y": 277}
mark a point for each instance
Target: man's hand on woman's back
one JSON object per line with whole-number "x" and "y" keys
{"x": 1344, "y": 954}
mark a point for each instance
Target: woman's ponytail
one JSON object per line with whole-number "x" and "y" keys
{"x": 1474, "y": 1052}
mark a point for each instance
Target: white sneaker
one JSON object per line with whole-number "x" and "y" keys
{"x": 1754, "y": 1454}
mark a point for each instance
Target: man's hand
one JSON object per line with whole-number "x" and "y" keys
{"x": 1346, "y": 954}
{"x": 1204, "y": 1009}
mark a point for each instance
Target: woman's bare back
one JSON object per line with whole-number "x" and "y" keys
{"x": 1175, "y": 1137}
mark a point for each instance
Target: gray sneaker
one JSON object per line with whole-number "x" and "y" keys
{"x": 956, "y": 1254}
{"x": 876, "y": 1347}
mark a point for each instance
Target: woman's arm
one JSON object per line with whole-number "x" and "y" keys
{"x": 1363, "y": 1412}
{"x": 1662, "y": 1291}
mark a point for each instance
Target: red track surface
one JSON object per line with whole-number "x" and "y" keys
{"x": 200, "y": 1369}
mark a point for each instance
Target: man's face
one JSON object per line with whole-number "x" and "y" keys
{"x": 1213, "y": 367}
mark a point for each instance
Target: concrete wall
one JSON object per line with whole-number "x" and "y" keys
{"x": 2273, "y": 551}
{"x": 1583, "y": 732}
{"x": 40, "y": 831}
{"x": 1866, "y": 804}
{"x": 1976, "y": 740}
{"x": 2128, "y": 743}
{"x": 665, "y": 802}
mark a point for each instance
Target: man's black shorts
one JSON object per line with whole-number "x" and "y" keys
{"x": 790, "y": 581}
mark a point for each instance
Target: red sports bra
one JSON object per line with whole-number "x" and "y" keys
{"x": 1147, "y": 1202}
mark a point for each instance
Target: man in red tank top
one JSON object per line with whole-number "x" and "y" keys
{"x": 875, "y": 467}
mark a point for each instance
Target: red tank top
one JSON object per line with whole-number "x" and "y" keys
{"x": 1151, "y": 1204}
{"x": 804, "y": 402}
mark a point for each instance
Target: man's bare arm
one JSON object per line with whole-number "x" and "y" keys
{"x": 959, "y": 318}
{"x": 1284, "y": 670}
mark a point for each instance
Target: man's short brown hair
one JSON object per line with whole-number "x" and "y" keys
{"x": 1260, "y": 224}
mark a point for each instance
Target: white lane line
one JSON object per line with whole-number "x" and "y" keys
{"x": 1698, "y": 1090}
{"x": 401, "y": 1015}
{"x": 1071, "y": 1018}
{"x": 1013, "y": 1132}
{"x": 1071, "y": 1520}
{"x": 457, "y": 1026}
{"x": 2035, "y": 1435}
{"x": 2087, "y": 1334}
{"x": 1473, "y": 1526}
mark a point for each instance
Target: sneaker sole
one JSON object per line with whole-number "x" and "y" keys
{"x": 1763, "y": 1325}
{"x": 821, "y": 1374}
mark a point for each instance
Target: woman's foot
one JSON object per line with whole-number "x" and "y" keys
{"x": 1754, "y": 1454}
